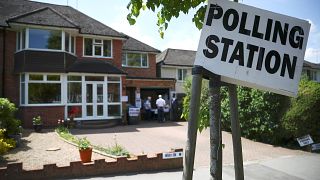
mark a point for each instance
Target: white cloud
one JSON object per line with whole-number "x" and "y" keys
{"x": 313, "y": 27}
{"x": 313, "y": 55}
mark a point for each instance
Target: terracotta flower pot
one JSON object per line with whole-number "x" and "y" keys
{"x": 85, "y": 155}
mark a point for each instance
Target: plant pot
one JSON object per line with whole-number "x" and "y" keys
{"x": 37, "y": 127}
{"x": 85, "y": 155}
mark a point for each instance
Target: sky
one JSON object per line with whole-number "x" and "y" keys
{"x": 181, "y": 32}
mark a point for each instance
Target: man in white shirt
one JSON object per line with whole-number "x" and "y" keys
{"x": 160, "y": 105}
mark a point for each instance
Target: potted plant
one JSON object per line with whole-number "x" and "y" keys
{"x": 37, "y": 123}
{"x": 85, "y": 149}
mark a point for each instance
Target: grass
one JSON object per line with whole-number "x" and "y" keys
{"x": 115, "y": 150}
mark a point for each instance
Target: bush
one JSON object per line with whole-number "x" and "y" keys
{"x": 303, "y": 117}
{"x": 7, "y": 117}
{"x": 6, "y": 143}
{"x": 259, "y": 111}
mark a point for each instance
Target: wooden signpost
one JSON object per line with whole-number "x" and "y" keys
{"x": 246, "y": 46}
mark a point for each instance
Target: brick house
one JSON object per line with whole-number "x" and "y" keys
{"x": 56, "y": 61}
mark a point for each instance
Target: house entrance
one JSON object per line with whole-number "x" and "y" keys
{"x": 94, "y": 106}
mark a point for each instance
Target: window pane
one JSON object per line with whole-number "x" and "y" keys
{"x": 180, "y": 74}
{"x": 113, "y": 78}
{"x": 134, "y": 59}
{"x": 88, "y": 47}
{"x": 97, "y": 50}
{"x": 99, "y": 93}
{"x": 23, "y": 38}
{"x": 184, "y": 74}
{"x": 44, "y": 93}
{"x": 114, "y": 110}
{"x": 22, "y": 95}
{"x": 94, "y": 78}
{"x": 44, "y": 39}
{"x": 107, "y": 48}
{"x": 72, "y": 44}
{"x": 18, "y": 40}
{"x": 144, "y": 60}
{"x": 36, "y": 77}
{"x": 74, "y": 92}
{"x": 74, "y": 78}
{"x": 98, "y": 41}
{"x": 124, "y": 59}
{"x": 66, "y": 41}
{"x": 75, "y": 111}
{"x": 89, "y": 98}
{"x": 100, "y": 110}
{"x": 113, "y": 92}
{"x": 22, "y": 78}
{"x": 53, "y": 77}
{"x": 89, "y": 110}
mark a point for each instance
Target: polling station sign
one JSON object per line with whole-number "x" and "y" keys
{"x": 253, "y": 47}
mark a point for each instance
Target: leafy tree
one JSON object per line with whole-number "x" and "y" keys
{"x": 166, "y": 10}
{"x": 259, "y": 112}
{"x": 303, "y": 117}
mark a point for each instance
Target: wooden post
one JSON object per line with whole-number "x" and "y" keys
{"x": 215, "y": 129}
{"x": 188, "y": 161}
{"x": 236, "y": 132}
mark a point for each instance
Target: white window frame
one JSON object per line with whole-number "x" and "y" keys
{"x": 94, "y": 44}
{"x": 183, "y": 78}
{"x": 140, "y": 53}
{"x": 26, "y": 47}
{"x": 26, "y": 92}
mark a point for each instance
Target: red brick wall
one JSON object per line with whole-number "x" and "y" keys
{"x": 49, "y": 115}
{"x": 1, "y": 60}
{"x": 99, "y": 167}
{"x": 141, "y": 83}
{"x": 116, "y": 51}
{"x": 149, "y": 72}
{"x": 11, "y": 82}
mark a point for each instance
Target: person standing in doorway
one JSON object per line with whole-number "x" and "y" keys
{"x": 160, "y": 105}
{"x": 147, "y": 108}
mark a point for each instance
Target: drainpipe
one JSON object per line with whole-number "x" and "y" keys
{"x": 4, "y": 59}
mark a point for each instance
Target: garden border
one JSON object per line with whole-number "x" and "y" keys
{"x": 141, "y": 163}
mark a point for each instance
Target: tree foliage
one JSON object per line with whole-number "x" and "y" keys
{"x": 166, "y": 10}
{"x": 303, "y": 117}
{"x": 259, "y": 111}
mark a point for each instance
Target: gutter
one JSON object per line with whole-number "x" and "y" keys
{"x": 4, "y": 60}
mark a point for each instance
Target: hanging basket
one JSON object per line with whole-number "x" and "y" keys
{"x": 85, "y": 155}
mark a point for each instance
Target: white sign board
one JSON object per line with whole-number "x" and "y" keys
{"x": 253, "y": 47}
{"x": 305, "y": 140}
{"x": 315, "y": 147}
{"x": 172, "y": 155}
{"x": 124, "y": 98}
{"x": 134, "y": 112}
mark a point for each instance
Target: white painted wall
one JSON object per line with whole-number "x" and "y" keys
{"x": 171, "y": 72}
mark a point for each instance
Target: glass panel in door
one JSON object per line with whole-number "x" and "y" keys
{"x": 89, "y": 99}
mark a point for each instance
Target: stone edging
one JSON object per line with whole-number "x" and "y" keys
{"x": 94, "y": 150}
{"x": 122, "y": 165}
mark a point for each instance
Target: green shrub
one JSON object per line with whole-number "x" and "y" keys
{"x": 7, "y": 117}
{"x": 259, "y": 111}
{"x": 6, "y": 143}
{"x": 303, "y": 117}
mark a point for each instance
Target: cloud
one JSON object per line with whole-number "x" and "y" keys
{"x": 313, "y": 54}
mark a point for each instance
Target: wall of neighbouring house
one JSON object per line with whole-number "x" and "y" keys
{"x": 171, "y": 72}
{"x": 149, "y": 72}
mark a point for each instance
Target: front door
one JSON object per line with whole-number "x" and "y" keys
{"x": 94, "y": 99}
